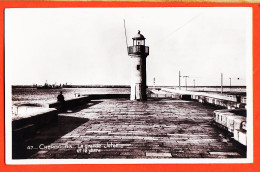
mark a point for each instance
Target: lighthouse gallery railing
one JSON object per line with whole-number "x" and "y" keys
{"x": 138, "y": 50}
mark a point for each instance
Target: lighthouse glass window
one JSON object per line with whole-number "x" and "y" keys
{"x": 139, "y": 42}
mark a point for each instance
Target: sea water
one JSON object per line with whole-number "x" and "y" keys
{"x": 32, "y": 100}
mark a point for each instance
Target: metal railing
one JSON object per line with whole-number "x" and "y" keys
{"x": 138, "y": 50}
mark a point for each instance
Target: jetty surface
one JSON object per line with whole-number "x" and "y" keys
{"x": 120, "y": 128}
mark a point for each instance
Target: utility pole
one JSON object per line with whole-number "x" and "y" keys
{"x": 186, "y": 81}
{"x": 154, "y": 83}
{"x": 194, "y": 83}
{"x": 221, "y": 83}
{"x": 230, "y": 84}
{"x": 179, "y": 80}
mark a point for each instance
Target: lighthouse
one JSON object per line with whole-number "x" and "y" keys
{"x": 138, "y": 53}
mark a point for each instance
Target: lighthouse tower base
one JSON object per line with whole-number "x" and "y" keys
{"x": 137, "y": 93}
{"x": 138, "y": 78}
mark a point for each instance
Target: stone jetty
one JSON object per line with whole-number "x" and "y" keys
{"x": 120, "y": 128}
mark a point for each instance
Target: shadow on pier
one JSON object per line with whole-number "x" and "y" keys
{"x": 49, "y": 133}
{"x": 81, "y": 107}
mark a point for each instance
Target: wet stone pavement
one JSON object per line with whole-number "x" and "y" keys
{"x": 125, "y": 129}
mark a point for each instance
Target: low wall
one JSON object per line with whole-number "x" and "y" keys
{"x": 70, "y": 103}
{"x": 226, "y": 101}
{"x": 232, "y": 98}
{"x": 218, "y": 102}
{"x": 233, "y": 121}
{"x": 107, "y": 96}
{"x": 158, "y": 94}
{"x": 38, "y": 119}
{"x": 202, "y": 99}
{"x": 26, "y": 127}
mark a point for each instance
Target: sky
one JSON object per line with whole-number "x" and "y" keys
{"x": 87, "y": 46}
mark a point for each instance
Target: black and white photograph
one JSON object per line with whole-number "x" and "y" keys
{"x": 128, "y": 85}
